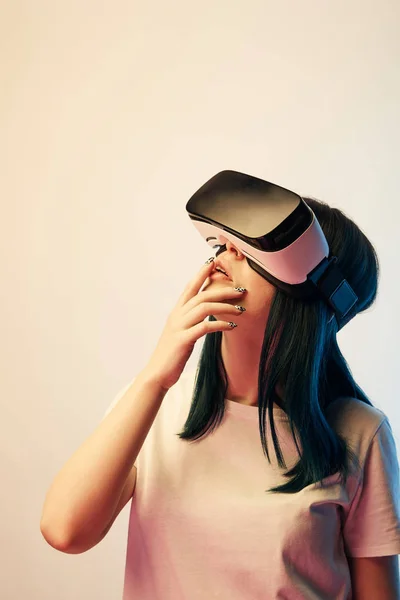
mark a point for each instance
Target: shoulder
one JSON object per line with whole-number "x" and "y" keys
{"x": 357, "y": 422}
{"x": 346, "y": 410}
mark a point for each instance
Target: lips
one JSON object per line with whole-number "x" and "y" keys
{"x": 219, "y": 265}
{"x": 216, "y": 272}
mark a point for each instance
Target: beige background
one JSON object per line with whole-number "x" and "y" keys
{"x": 111, "y": 115}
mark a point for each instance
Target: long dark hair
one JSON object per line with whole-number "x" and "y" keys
{"x": 300, "y": 349}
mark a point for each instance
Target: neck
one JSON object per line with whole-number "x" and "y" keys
{"x": 241, "y": 359}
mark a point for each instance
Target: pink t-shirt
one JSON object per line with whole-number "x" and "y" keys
{"x": 202, "y": 526}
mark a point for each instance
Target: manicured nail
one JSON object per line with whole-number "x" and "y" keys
{"x": 210, "y": 260}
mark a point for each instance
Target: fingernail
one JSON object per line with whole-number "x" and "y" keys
{"x": 209, "y": 260}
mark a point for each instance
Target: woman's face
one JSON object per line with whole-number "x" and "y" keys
{"x": 260, "y": 292}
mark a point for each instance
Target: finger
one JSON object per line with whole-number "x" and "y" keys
{"x": 195, "y": 284}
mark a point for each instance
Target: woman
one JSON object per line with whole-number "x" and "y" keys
{"x": 212, "y": 515}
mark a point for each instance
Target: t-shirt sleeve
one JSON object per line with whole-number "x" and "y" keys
{"x": 372, "y": 527}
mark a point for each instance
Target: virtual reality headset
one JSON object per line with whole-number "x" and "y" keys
{"x": 277, "y": 232}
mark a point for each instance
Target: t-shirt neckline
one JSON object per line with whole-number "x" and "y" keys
{"x": 251, "y": 412}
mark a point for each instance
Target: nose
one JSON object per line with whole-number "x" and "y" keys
{"x": 232, "y": 248}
